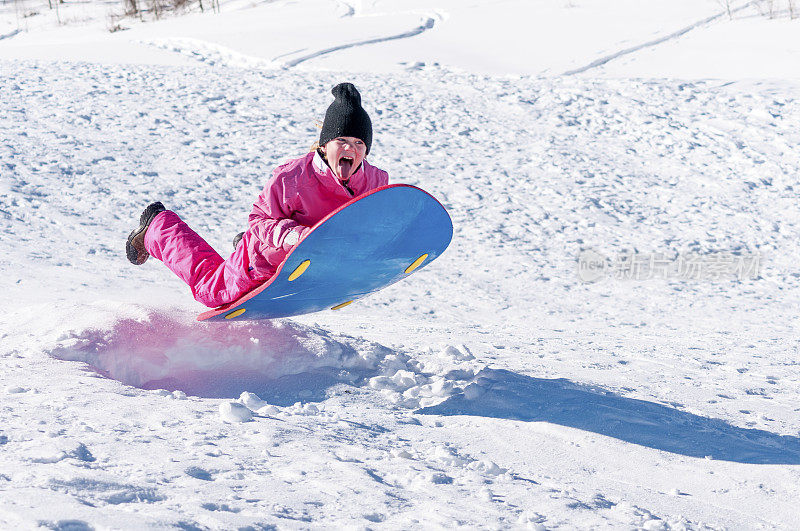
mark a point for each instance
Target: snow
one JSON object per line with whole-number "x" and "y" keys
{"x": 235, "y": 412}
{"x": 507, "y": 385}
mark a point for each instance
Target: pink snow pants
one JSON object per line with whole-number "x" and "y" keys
{"x": 213, "y": 281}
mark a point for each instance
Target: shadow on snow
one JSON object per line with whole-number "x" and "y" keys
{"x": 506, "y": 395}
{"x": 285, "y": 363}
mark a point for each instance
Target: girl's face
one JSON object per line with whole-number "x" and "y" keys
{"x": 345, "y": 154}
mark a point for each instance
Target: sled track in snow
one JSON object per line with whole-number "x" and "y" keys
{"x": 215, "y": 54}
{"x": 10, "y": 34}
{"x": 427, "y": 24}
{"x": 656, "y": 42}
{"x": 209, "y": 53}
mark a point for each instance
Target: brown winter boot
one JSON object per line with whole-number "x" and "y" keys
{"x": 135, "y": 245}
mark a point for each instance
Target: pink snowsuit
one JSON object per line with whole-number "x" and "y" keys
{"x": 299, "y": 194}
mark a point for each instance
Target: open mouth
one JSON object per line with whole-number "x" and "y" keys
{"x": 346, "y": 166}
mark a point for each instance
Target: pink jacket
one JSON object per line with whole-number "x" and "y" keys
{"x": 299, "y": 194}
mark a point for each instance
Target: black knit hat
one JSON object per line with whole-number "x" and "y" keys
{"x": 346, "y": 117}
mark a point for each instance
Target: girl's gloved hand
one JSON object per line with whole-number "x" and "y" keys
{"x": 291, "y": 239}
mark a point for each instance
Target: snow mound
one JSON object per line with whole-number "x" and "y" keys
{"x": 261, "y": 364}
{"x": 235, "y": 412}
{"x": 279, "y": 361}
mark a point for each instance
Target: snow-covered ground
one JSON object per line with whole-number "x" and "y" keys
{"x": 656, "y": 38}
{"x": 495, "y": 388}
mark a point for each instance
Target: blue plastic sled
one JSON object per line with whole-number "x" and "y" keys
{"x": 363, "y": 246}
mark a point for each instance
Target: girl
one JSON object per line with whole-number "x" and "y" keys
{"x": 299, "y": 194}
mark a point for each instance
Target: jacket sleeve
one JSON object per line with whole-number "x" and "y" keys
{"x": 270, "y": 220}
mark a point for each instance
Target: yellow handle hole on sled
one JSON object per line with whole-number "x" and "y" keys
{"x": 342, "y": 305}
{"x": 417, "y": 263}
{"x": 235, "y": 313}
{"x": 300, "y": 270}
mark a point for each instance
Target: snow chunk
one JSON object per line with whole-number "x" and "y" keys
{"x": 401, "y": 380}
{"x": 460, "y": 353}
{"x": 381, "y": 382}
{"x": 532, "y": 519}
{"x": 487, "y": 467}
{"x": 441, "y": 387}
{"x": 450, "y": 457}
{"x": 251, "y": 401}
{"x": 451, "y": 361}
{"x": 654, "y": 525}
{"x": 486, "y": 494}
{"x": 303, "y": 409}
{"x": 404, "y": 379}
{"x": 269, "y": 410}
{"x": 234, "y": 412}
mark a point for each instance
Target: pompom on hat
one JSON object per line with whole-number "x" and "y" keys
{"x": 346, "y": 117}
